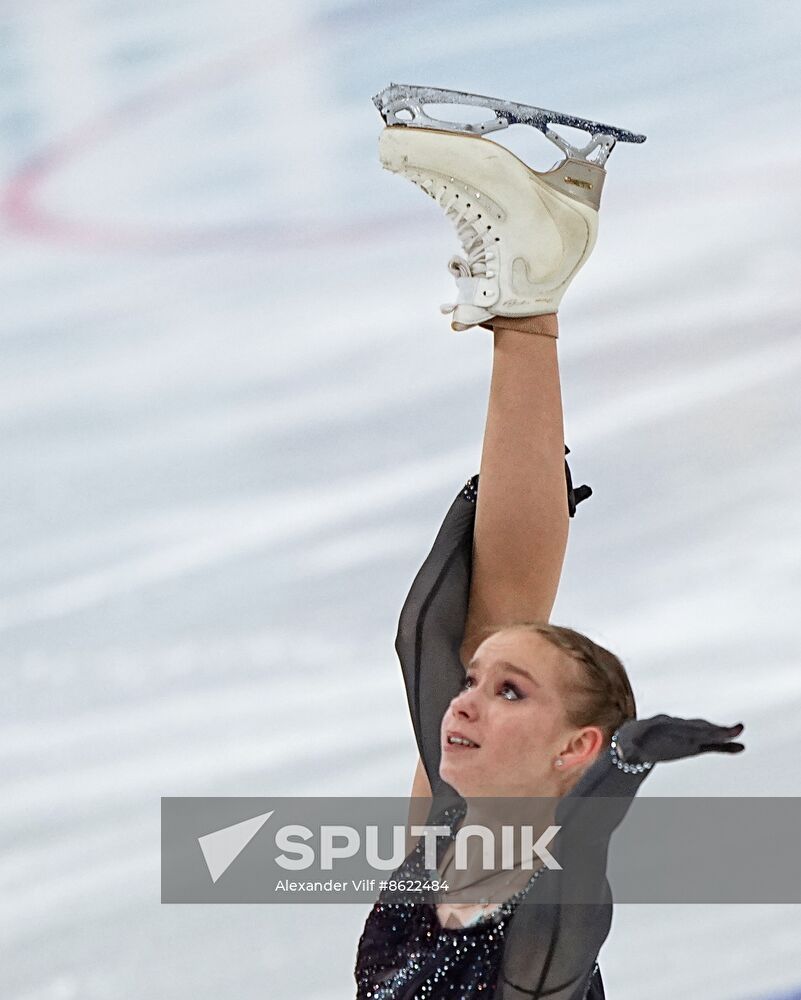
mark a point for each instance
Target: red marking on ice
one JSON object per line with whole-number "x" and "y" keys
{"x": 22, "y": 211}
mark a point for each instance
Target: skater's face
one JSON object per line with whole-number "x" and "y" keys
{"x": 513, "y": 706}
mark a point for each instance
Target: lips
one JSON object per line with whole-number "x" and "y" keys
{"x": 454, "y": 735}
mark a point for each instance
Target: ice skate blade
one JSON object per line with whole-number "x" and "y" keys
{"x": 406, "y": 99}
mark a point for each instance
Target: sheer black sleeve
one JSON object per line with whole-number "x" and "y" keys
{"x": 553, "y": 942}
{"x": 431, "y": 629}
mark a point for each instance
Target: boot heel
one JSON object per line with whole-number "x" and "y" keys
{"x": 578, "y": 179}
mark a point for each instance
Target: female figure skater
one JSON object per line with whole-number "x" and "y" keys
{"x": 503, "y": 703}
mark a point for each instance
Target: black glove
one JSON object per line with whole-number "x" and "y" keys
{"x": 665, "y": 737}
{"x": 574, "y": 496}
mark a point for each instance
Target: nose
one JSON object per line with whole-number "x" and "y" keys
{"x": 465, "y": 704}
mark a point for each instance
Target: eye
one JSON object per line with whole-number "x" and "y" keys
{"x": 511, "y": 687}
{"x": 466, "y": 683}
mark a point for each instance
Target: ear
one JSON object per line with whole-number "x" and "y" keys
{"x": 583, "y": 747}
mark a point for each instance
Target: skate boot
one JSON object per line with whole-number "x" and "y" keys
{"x": 525, "y": 233}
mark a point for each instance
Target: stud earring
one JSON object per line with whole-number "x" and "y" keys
{"x": 558, "y": 762}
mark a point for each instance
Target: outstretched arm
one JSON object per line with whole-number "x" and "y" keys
{"x": 522, "y": 513}
{"x": 553, "y": 944}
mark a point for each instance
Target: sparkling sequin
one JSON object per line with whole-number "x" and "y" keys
{"x": 405, "y": 952}
{"x": 470, "y": 491}
{"x": 617, "y": 760}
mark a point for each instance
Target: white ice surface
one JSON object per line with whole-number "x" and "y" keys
{"x": 231, "y": 418}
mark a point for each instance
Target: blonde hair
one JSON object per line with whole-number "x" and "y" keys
{"x": 599, "y": 692}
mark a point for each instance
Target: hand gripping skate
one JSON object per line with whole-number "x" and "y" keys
{"x": 525, "y": 233}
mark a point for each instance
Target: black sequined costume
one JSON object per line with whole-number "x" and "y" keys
{"x": 405, "y": 952}
{"x": 517, "y": 951}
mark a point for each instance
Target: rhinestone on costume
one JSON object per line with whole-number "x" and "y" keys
{"x": 617, "y": 759}
{"x": 412, "y": 951}
{"x": 470, "y": 491}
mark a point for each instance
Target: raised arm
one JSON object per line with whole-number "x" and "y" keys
{"x": 521, "y": 522}
{"x": 507, "y": 551}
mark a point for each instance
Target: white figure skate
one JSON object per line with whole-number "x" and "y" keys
{"x": 525, "y": 233}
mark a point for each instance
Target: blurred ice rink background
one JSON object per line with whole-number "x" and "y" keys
{"x": 232, "y": 419}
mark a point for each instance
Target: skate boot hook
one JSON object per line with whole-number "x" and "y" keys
{"x": 525, "y": 233}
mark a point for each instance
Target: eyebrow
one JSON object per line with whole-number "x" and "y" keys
{"x": 511, "y": 668}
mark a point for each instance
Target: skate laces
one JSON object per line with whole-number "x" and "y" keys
{"x": 473, "y": 238}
